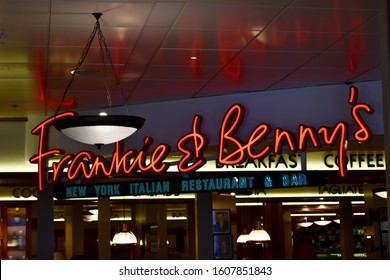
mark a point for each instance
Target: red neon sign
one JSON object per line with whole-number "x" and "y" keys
{"x": 232, "y": 150}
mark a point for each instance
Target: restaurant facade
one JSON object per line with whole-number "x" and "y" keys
{"x": 305, "y": 172}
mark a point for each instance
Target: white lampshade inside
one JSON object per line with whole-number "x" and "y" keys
{"x": 322, "y": 222}
{"x": 258, "y": 234}
{"x": 382, "y": 194}
{"x": 124, "y": 237}
{"x": 243, "y": 238}
{"x": 98, "y": 130}
{"x": 305, "y": 223}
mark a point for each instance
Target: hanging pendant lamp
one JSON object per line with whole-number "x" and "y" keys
{"x": 305, "y": 223}
{"x": 124, "y": 236}
{"x": 258, "y": 234}
{"x": 381, "y": 193}
{"x": 243, "y": 237}
{"x": 95, "y": 129}
{"x": 322, "y": 222}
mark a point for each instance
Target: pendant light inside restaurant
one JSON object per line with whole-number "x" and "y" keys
{"x": 243, "y": 237}
{"x": 258, "y": 234}
{"x": 381, "y": 193}
{"x": 322, "y": 222}
{"x": 124, "y": 236}
{"x": 305, "y": 223}
{"x": 96, "y": 129}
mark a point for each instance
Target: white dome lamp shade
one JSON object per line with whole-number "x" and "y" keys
{"x": 381, "y": 193}
{"x": 258, "y": 234}
{"x": 98, "y": 130}
{"x": 243, "y": 237}
{"x": 322, "y": 222}
{"x": 305, "y": 223}
{"x": 124, "y": 236}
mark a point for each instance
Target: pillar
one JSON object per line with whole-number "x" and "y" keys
{"x": 74, "y": 230}
{"x": 45, "y": 211}
{"x": 274, "y": 225}
{"x": 385, "y": 63}
{"x": 346, "y": 229}
{"x": 288, "y": 245}
{"x": 104, "y": 228}
{"x": 204, "y": 226}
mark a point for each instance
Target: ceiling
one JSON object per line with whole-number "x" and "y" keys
{"x": 241, "y": 45}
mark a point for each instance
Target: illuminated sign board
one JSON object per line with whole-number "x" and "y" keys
{"x": 355, "y": 160}
{"x": 322, "y": 160}
{"x": 242, "y": 182}
{"x": 271, "y": 162}
{"x": 232, "y": 150}
{"x": 340, "y": 189}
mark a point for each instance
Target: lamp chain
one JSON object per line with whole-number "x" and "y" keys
{"x": 79, "y": 63}
{"x": 103, "y": 45}
{"x": 103, "y": 52}
{"x": 101, "y": 39}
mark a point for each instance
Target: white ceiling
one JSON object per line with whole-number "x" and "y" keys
{"x": 242, "y": 45}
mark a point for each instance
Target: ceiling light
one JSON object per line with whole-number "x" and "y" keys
{"x": 295, "y": 203}
{"x": 249, "y": 203}
{"x": 124, "y": 236}
{"x": 94, "y": 211}
{"x": 312, "y": 214}
{"x": 305, "y": 223}
{"x": 322, "y": 222}
{"x": 97, "y": 130}
{"x": 381, "y": 193}
{"x": 258, "y": 234}
{"x": 359, "y": 213}
{"x": 243, "y": 238}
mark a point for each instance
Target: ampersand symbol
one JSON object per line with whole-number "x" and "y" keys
{"x": 267, "y": 182}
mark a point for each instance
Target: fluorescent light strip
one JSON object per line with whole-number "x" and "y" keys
{"x": 300, "y": 195}
{"x": 119, "y": 219}
{"x": 176, "y": 218}
{"x": 249, "y": 203}
{"x": 360, "y": 202}
{"x": 126, "y": 219}
{"x": 359, "y": 214}
{"x": 303, "y": 203}
{"x": 311, "y": 203}
{"x": 312, "y": 214}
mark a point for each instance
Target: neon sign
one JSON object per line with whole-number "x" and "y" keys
{"x": 86, "y": 164}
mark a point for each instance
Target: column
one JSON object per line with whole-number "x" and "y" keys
{"x": 346, "y": 229}
{"x": 74, "y": 230}
{"x": 372, "y": 231}
{"x": 288, "y": 250}
{"x": 204, "y": 226}
{"x": 162, "y": 231}
{"x": 274, "y": 225}
{"x": 104, "y": 228}
{"x": 385, "y": 59}
{"x": 45, "y": 209}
